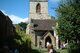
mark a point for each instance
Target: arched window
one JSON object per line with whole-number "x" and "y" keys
{"x": 38, "y": 8}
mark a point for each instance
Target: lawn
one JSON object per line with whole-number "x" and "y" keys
{"x": 35, "y": 51}
{"x": 43, "y": 50}
{"x": 62, "y": 51}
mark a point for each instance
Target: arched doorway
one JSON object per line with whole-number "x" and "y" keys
{"x": 48, "y": 39}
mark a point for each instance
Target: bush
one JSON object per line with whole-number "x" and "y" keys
{"x": 73, "y": 48}
{"x": 23, "y": 41}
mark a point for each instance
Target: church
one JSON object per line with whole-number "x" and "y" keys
{"x": 41, "y": 26}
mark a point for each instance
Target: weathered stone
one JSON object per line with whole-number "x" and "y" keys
{"x": 41, "y": 25}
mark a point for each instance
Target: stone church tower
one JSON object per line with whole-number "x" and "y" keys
{"x": 41, "y": 25}
{"x": 39, "y": 9}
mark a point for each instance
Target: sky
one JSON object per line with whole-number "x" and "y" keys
{"x": 18, "y": 10}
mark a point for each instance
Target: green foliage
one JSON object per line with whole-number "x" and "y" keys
{"x": 69, "y": 20}
{"x": 63, "y": 51}
{"x": 69, "y": 24}
{"x": 23, "y": 25}
{"x": 24, "y": 39}
{"x": 73, "y": 48}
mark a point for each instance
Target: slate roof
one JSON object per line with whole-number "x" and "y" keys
{"x": 43, "y": 24}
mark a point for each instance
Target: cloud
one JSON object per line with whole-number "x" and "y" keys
{"x": 4, "y": 12}
{"x": 16, "y": 19}
{"x": 26, "y": 20}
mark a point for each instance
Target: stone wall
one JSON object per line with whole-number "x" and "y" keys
{"x": 44, "y": 11}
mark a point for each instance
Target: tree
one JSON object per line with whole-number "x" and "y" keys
{"x": 23, "y": 41}
{"x": 69, "y": 24}
{"x": 69, "y": 20}
{"x": 23, "y": 25}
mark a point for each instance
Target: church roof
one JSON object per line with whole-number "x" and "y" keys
{"x": 43, "y": 24}
{"x": 38, "y": 0}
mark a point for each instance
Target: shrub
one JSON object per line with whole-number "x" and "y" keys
{"x": 73, "y": 48}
